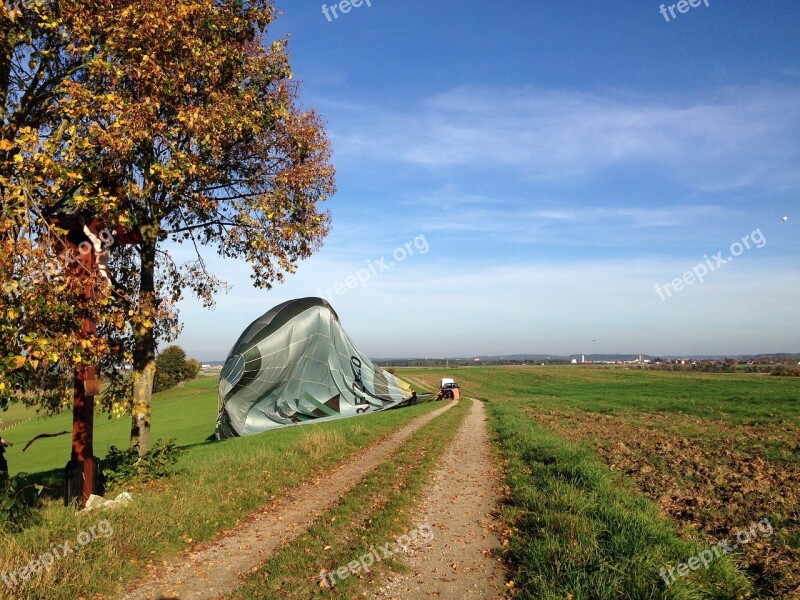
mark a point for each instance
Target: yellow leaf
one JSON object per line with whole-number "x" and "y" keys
{"x": 19, "y": 361}
{"x": 6, "y": 145}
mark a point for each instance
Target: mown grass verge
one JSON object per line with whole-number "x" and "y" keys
{"x": 217, "y": 485}
{"x": 580, "y": 530}
{"x": 379, "y": 509}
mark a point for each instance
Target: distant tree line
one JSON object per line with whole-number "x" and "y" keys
{"x": 458, "y": 363}
{"x": 786, "y": 371}
{"x": 706, "y": 366}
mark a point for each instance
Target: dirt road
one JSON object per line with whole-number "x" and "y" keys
{"x": 459, "y": 504}
{"x": 216, "y": 569}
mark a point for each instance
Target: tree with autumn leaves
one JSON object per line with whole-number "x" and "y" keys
{"x": 169, "y": 123}
{"x": 42, "y": 280}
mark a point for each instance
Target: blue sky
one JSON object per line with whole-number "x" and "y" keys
{"x": 517, "y": 177}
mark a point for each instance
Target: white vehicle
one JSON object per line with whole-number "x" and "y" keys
{"x": 449, "y": 389}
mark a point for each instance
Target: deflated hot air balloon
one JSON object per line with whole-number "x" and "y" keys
{"x": 296, "y": 364}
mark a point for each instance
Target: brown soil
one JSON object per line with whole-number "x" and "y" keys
{"x": 459, "y": 504}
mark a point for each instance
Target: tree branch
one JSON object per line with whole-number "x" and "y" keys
{"x": 200, "y": 226}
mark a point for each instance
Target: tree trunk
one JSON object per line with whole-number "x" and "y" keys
{"x": 142, "y": 395}
{"x": 144, "y": 351}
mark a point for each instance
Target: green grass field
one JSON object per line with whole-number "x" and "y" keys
{"x": 14, "y": 414}
{"x": 187, "y": 414}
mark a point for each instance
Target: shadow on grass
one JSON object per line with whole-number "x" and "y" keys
{"x": 53, "y": 480}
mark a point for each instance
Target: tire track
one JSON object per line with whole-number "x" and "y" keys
{"x": 460, "y": 504}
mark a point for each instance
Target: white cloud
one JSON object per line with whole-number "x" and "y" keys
{"x": 725, "y": 140}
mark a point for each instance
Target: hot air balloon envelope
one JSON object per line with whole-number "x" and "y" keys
{"x": 296, "y": 364}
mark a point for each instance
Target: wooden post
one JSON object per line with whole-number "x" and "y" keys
{"x": 80, "y": 485}
{"x": 83, "y": 232}
{"x": 85, "y": 388}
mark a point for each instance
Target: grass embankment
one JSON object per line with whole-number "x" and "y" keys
{"x": 714, "y": 453}
{"x": 187, "y": 413}
{"x": 217, "y": 485}
{"x": 377, "y": 511}
{"x": 14, "y": 414}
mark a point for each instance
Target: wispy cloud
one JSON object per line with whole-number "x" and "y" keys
{"x": 727, "y": 139}
{"x": 676, "y": 216}
{"x": 556, "y": 215}
{"x": 548, "y": 221}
